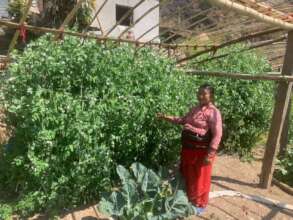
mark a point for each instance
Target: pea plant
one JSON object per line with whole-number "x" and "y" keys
{"x": 79, "y": 109}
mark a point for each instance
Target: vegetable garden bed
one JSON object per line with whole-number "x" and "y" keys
{"x": 80, "y": 109}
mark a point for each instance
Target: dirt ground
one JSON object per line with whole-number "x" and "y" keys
{"x": 229, "y": 174}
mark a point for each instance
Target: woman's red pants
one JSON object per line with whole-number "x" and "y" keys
{"x": 197, "y": 175}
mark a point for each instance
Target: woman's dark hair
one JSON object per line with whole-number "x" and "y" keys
{"x": 209, "y": 88}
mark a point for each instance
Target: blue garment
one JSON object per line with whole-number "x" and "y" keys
{"x": 198, "y": 210}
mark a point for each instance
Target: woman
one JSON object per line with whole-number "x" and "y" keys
{"x": 201, "y": 136}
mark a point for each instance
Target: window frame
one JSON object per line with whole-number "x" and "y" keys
{"x": 127, "y": 9}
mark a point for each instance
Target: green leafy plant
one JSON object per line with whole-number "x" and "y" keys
{"x": 290, "y": 132}
{"x": 55, "y": 11}
{"x": 16, "y": 8}
{"x": 79, "y": 109}
{"x": 144, "y": 195}
{"x": 285, "y": 167}
{"x": 5, "y": 211}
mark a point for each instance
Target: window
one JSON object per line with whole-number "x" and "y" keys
{"x": 120, "y": 12}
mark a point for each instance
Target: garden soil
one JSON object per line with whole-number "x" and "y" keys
{"x": 229, "y": 173}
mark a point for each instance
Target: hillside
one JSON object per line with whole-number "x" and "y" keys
{"x": 197, "y": 22}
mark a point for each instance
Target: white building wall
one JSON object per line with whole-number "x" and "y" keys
{"x": 107, "y": 18}
{"x": 3, "y": 8}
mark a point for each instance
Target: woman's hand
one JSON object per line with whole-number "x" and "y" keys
{"x": 207, "y": 160}
{"x": 172, "y": 119}
{"x": 188, "y": 127}
{"x": 160, "y": 116}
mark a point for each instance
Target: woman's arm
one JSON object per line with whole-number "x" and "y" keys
{"x": 172, "y": 119}
{"x": 175, "y": 119}
{"x": 215, "y": 124}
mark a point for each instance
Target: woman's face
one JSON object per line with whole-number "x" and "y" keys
{"x": 204, "y": 96}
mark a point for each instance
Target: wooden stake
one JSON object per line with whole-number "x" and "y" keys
{"x": 32, "y": 28}
{"x": 188, "y": 27}
{"x": 231, "y": 42}
{"x": 96, "y": 17}
{"x": 100, "y": 25}
{"x": 69, "y": 17}
{"x": 21, "y": 22}
{"x": 258, "y": 45}
{"x": 278, "y": 119}
{"x": 147, "y": 31}
{"x": 274, "y": 76}
{"x": 285, "y": 136}
{"x": 166, "y": 31}
{"x": 71, "y": 14}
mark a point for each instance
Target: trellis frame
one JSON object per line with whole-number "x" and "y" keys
{"x": 284, "y": 89}
{"x": 277, "y": 132}
{"x": 21, "y": 23}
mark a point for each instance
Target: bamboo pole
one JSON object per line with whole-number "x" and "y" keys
{"x": 148, "y": 31}
{"x": 158, "y": 25}
{"x": 253, "y": 13}
{"x": 234, "y": 41}
{"x": 283, "y": 186}
{"x": 223, "y": 26}
{"x": 258, "y": 45}
{"x": 218, "y": 32}
{"x": 167, "y": 30}
{"x": 139, "y": 19}
{"x": 14, "y": 25}
{"x": 124, "y": 16}
{"x": 278, "y": 119}
{"x": 164, "y": 32}
{"x": 100, "y": 25}
{"x": 277, "y": 57}
{"x": 183, "y": 8}
{"x": 265, "y": 9}
{"x": 71, "y": 14}
{"x": 285, "y": 134}
{"x": 197, "y": 13}
{"x": 189, "y": 26}
{"x": 21, "y": 22}
{"x": 69, "y": 17}
{"x": 220, "y": 29}
{"x": 262, "y": 44}
{"x": 96, "y": 17}
{"x": 273, "y": 143}
{"x": 271, "y": 76}
{"x": 150, "y": 42}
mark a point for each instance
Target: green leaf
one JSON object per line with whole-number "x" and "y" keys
{"x": 123, "y": 173}
{"x": 114, "y": 205}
